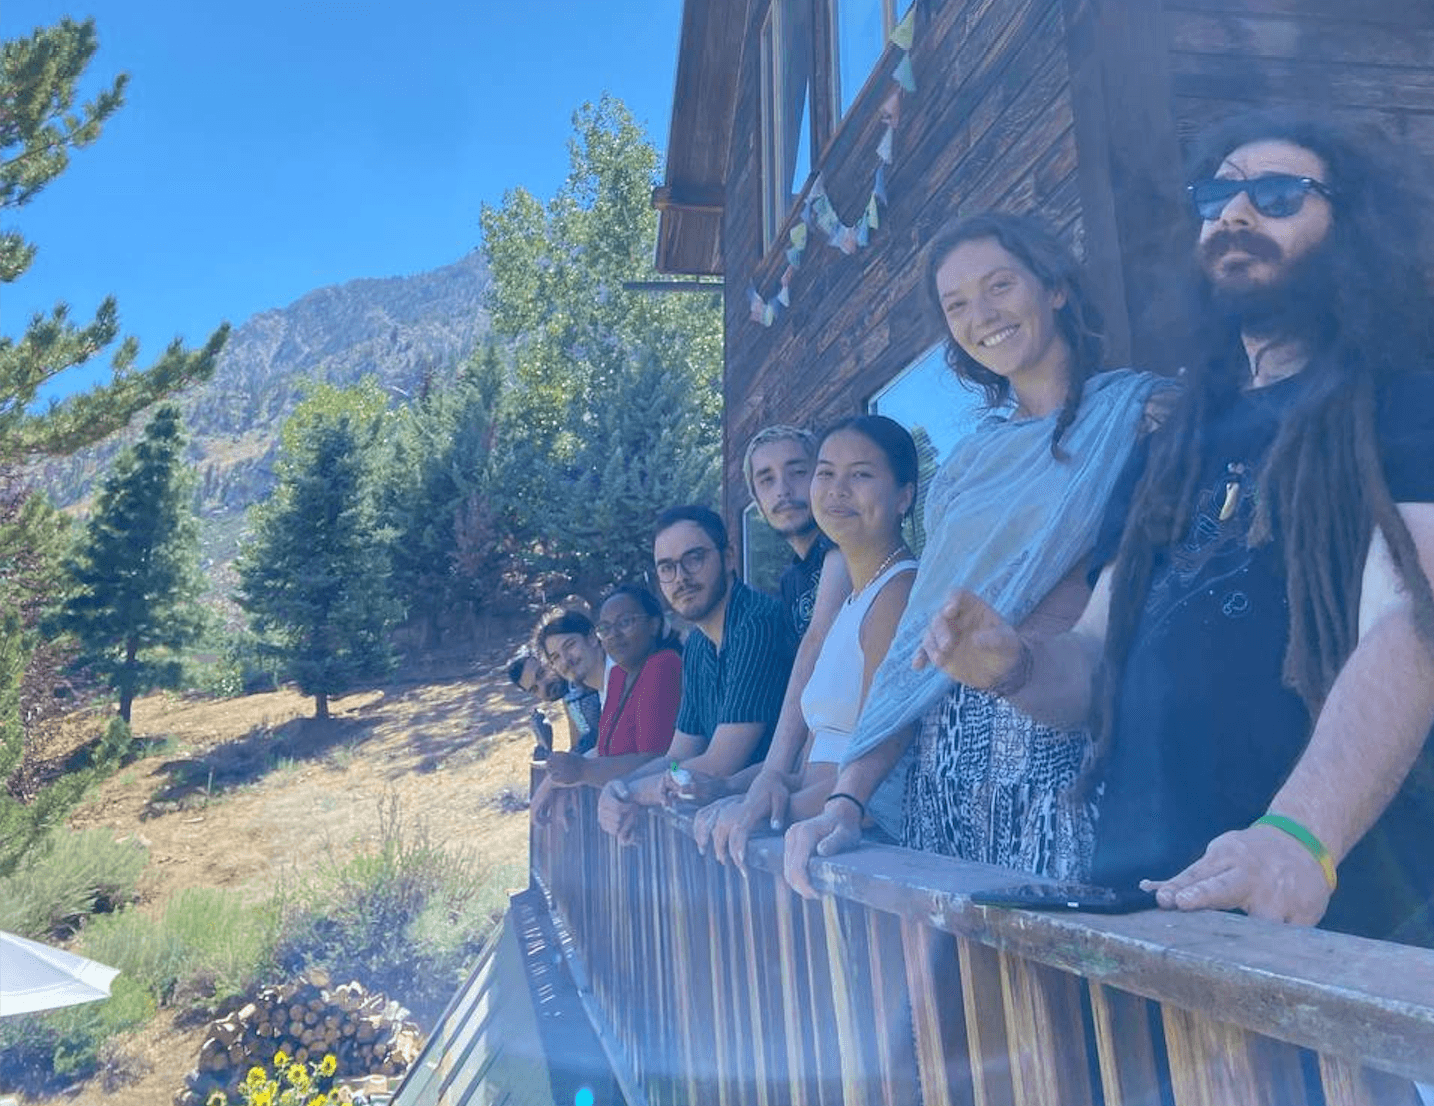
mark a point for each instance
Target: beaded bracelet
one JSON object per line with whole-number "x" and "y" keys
{"x": 1307, "y": 839}
{"x": 1018, "y": 676}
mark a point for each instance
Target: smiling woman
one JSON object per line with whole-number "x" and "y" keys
{"x": 1011, "y": 515}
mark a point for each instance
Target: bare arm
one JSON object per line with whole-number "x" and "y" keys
{"x": 1366, "y": 738}
{"x": 791, "y": 733}
{"x": 767, "y": 791}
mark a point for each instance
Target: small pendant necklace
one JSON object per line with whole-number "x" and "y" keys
{"x": 887, "y": 563}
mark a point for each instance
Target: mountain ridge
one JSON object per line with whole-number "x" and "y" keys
{"x": 402, "y": 330}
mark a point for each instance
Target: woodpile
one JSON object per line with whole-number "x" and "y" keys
{"x": 368, "y": 1034}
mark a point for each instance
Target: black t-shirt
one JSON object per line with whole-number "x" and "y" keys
{"x": 799, "y": 585}
{"x": 1205, "y": 730}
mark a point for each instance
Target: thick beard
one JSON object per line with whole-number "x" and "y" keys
{"x": 1299, "y": 305}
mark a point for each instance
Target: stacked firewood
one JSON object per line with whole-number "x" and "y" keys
{"x": 366, "y": 1032}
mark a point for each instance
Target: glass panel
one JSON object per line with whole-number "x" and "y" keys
{"x": 927, "y": 398}
{"x": 861, "y": 28}
{"x": 786, "y": 114}
{"x": 765, "y": 553}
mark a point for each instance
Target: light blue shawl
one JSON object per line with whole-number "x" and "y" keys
{"x": 1009, "y": 521}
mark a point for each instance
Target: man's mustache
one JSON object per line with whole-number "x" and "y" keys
{"x": 1246, "y": 241}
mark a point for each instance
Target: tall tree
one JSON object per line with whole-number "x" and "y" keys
{"x": 438, "y": 467}
{"x": 40, "y": 124}
{"x": 135, "y": 572}
{"x": 580, "y": 433}
{"x": 314, "y": 572}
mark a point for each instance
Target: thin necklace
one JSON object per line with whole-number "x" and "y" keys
{"x": 890, "y": 560}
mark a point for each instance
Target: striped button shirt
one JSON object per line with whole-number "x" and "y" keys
{"x": 745, "y": 680}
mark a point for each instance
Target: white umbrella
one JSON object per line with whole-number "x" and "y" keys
{"x": 37, "y": 977}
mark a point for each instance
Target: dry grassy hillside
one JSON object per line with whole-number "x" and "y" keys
{"x": 242, "y": 793}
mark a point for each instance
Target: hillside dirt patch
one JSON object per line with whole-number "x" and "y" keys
{"x": 241, "y": 793}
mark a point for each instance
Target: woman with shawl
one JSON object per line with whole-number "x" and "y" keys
{"x": 1011, "y": 515}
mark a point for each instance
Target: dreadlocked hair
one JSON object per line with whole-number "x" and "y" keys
{"x": 1079, "y": 320}
{"x": 1322, "y": 487}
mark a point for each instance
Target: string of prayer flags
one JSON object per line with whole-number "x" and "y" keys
{"x": 819, "y": 214}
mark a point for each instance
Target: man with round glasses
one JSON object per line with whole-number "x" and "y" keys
{"x": 1258, "y": 653}
{"x": 735, "y": 665}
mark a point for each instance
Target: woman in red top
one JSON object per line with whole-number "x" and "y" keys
{"x": 645, "y": 684}
{"x": 639, "y": 713}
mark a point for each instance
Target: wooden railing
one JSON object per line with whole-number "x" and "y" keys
{"x": 708, "y": 986}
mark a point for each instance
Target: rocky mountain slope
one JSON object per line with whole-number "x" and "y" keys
{"x": 400, "y": 330}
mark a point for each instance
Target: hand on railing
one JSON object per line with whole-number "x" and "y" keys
{"x": 836, "y": 829}
{"x": 566, "y": 769}
{"x": 617, "y": 813}
{"x": 691, "y": 789}
{"x": 550, "y": 799}
{"x": 1261, "y": 870}
{"x": 728, "y": 824}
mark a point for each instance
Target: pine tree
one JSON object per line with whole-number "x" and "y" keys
{"x": 135, "y": 573}
{"x": 39, "y": 125}
{"x": 314, "y": 572}
{"x": 438, "y": 466}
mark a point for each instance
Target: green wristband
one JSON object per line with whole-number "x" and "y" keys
{"x": 1307, "y": 839}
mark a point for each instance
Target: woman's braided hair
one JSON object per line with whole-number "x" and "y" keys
{"x": 1323, "y": 487}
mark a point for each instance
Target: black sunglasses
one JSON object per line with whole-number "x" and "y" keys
{"x": 1276, "y": 196}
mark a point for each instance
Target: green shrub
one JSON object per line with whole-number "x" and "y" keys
{"x": 209, "y": 945}
{"x": 68, "y": 876}
{"x": 39, "y": 1051}
{"x": 407, "y": 918}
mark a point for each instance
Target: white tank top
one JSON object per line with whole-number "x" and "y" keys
{"x": 831, "y": 701}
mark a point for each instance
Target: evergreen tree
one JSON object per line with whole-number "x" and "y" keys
{"x": 135, "y": 573}
{"x": 605, "y": 381}
{"x": 437, "y": 468}
{"x": 314, "y": 572}
{"x": 39, "y": 125}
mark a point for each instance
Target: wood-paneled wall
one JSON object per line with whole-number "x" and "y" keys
{"x": 1077, "y": 109}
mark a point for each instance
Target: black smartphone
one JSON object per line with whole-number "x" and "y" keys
{"x": 1085, "y": 897}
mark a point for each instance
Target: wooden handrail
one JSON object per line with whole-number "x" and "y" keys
{"x": 712, "y": 986}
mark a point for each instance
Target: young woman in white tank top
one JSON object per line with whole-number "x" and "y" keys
{"x": 863, "y": 487}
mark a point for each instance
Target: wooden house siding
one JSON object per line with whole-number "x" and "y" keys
{"x": 990, "y": 124}
{"x": 1081, "y": 110}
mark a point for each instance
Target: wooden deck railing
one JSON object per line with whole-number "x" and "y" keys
{"x": 708, "y": 986}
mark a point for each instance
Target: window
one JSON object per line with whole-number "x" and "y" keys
{"x": 928, "y": 399}
{"x": 860, "y": 29}
{"x": 786, "y": 110}
{"x": 765, "y": 553}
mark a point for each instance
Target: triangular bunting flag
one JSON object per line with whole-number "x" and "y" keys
{"x": 904, "y": 75}
{"x": 873, "y": 216}
{"x": 883, "y": 149}
{"x": 903, "y": 32}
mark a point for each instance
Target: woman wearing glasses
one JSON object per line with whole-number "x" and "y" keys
{"x": 644, "y": 688}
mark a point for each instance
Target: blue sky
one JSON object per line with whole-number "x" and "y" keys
{"x": 266, "y": 149}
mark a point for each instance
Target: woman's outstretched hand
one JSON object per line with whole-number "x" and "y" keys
{"x": 970, "y": 642}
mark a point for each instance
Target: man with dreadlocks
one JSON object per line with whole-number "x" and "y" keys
{"x": 1259, "y": 654}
